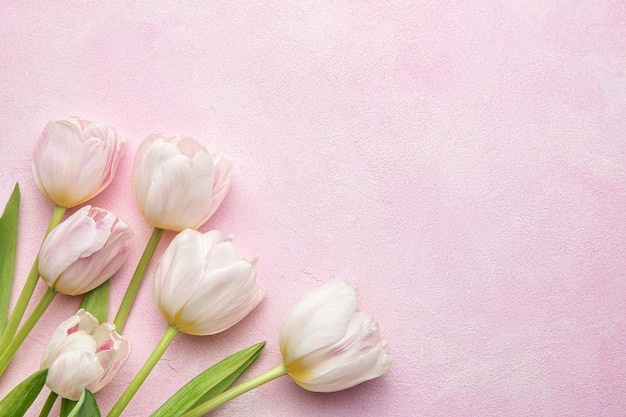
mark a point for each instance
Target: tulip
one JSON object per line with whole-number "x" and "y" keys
{"x": 328, "y": 345}
{"x": 75, "y": 159}
{"x": 83, "y": 354}
{"x": 178, "y": 184}
{"x": 84, "y": 251}
{"x": 202, "y": 286}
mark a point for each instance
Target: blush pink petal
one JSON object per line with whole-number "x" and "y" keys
{"x": 84, "y": 251}
{"x": 177, "y": 183}
{"x": 318, "y": 320}
{"x": 180, "y": 192}
{"x": 83, "y": 354}
{"x": 202, "y": 286}
{"x": 368, "y": 366}
{"x": 327, "y": 345}
{"x": 75, "y": 235}
{"x": 221, "y": 182}
{"x": 71, "y": 372}
{"x": 75, "y": 159}
{"x": 180, "y": 270}
{"x": 233, "y": 294}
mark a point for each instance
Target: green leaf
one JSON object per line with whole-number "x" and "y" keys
{"x": 90, "y": 406}
{"x": 8, "y": 245}
{"x": 70, "y": 408}
{"x": 96, "y": 302}
{"x": 17, "y": 402}
{"x": 86, "y": 406}
{"x": 209, "y": 383}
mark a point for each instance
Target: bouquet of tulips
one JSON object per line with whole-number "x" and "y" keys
{"x": 202, "y": 286}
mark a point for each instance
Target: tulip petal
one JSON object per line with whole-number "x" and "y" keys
{"x": 88, "y": 273}
{"x": 83, "y": 354}
{"x": 202, "y": 286}
{"x": 187, "y": 146}
{"x": 180, "y": 192}
{"x": 361, "y": 336}
{"x": 318, "y": 320}
{"x": 180, "y": 270}
{"x": 71, "y": 372}
{"x": 152, "y": 152}
{"x": 90, "y": 169}
{"x": 221, "y": 182}
{"x": 369, "y": 366}
{"x": 57, "y": 153}
{"x": 103, "y": 222}
{"x": 75, "y": 235}
{"x": 75, "y": 159}
{"x": 177, "y": 183}
{"x": 221, "y": 255}
{"x": 111, "y": 359}
{"x": 84, "y": 251}
{"x": 224, "y": 297}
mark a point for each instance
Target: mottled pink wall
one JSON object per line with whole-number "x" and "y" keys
{"x": 463, "y": 163}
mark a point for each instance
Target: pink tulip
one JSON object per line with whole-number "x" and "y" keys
{"x": 84, "y": 251}
{"x": 202, "y": 286}
{"x": 328, "y": 345}
{"x": 83, "y": 354}
{"x": 178, "y": 184}
{"x": 75, "y": 160}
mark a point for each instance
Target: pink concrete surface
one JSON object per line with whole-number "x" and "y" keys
{"x": 462, "y": 163}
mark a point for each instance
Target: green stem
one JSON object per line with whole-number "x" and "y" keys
{"x": 29, "y": 287}
{"x": 47, "y": 407}
{"x": 236, "y": 391}
{"x": 30, "y": 322}
{"x": 143, "y": 373}
{"x": 135, "y": 282}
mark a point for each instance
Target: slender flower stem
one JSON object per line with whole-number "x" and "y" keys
{"x": 236, "y": 391}
{"x": 30, "y": 322}
{"x": 143, "y": 373}
{"x": 29, "y": 287}
{"x": 135, "y": 282}
{"x": 47, "y": 407}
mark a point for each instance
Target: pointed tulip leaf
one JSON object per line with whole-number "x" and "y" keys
{"x": 209, "y": 383}
{"x": 70, "y": 408}
{"x": 17, "y": 402}
{"x": 89, "y": 408}
{"x": 226, "y": 382}
{"x": 8, "y": 245}
{"x": 96, "y": 301}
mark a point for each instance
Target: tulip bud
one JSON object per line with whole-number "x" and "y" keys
{"x": 75, "y": 159}
{"x": 83, "y": 354}
{"x": 84, "y": 251}
{"x": 202, "y": 286}
{"x": 328, "y": 345}
{"x": 178, "y": 184}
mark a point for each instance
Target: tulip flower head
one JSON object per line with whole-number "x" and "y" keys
{"x": 75, "y": 159}
{"x": 178, "y": 184}
{"x": 84, "y": 251}
{"x": 328, "y": 345}
{"x": 83, "y": 354}
{"x": 202, "y": 286}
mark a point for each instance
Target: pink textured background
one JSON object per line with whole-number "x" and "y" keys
{"x": 463, "y": 164}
